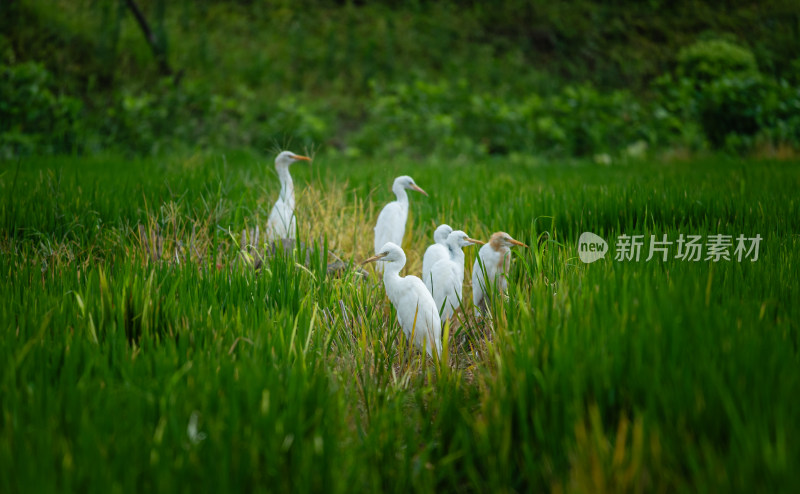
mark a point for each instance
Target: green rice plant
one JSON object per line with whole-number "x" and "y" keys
{"x": 143, "y": 349}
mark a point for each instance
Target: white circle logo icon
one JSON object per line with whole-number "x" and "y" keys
{"x": 591, "y": 247}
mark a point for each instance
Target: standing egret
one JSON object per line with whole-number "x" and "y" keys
{"x": 447, "y": 275}
{"x": 496, "y": 259}
{"x": 391, "y": 225}
{"x": 415, "y": 308}
{"x": 281, "y": 219}
{"x": 435, "y": 252}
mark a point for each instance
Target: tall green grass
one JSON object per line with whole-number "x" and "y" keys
{"x": 126, "y": 368}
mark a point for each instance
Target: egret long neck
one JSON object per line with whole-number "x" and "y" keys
{"x": 456, "y": 254}
{"x": 402, "y": 195}
{"x": 287, "y": 186}
{"x": 391, "y": 277}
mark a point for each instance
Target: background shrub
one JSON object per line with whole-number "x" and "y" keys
{"x": 34, "y": 116}
{"x": 731, "y": 109}
{"x": 718, "y": 85}
{"x": 451, "y": 118}
{"x": 709, "y": 60}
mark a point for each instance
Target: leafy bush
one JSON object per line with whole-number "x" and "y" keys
{"x": 291, "y": 120}
{"x": 674, "y": 112}
{"x": 718, "y": 86}
{"x": 595, "y": 121}
{"x": 732, "y": 106}
{"x": 420, "y": 116}
{"x": 34, "y": 117}
{"x": 451, "y": 118}
{"x": 779, "y": 117}
{"x": 190, "y": 114}
{"x": 168, "y": 115}
{"x": 709, "y": 60}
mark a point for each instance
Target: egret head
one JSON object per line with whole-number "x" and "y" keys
{"x": 441, "y": 233}
{"x": 406, "y": 182}
{"x": 501, "y": 240}
{"x": 459, "y": 239}
{"x": 286, "y": 158}
{"x": 390, "y": 252}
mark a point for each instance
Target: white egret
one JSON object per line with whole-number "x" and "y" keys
{"x": 435, "y": 252}
{"x": 416, "y": 311}
{"x": 496, "y": 259}
{"x": 282, "y": 222}
{"x": 391, "y": 224}
{"x": 447, "y": 275}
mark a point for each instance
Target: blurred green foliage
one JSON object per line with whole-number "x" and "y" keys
{"x": 731, "y": 108}
{"x": 451, "y": 118}
{"x": 559, "y": 79}
{"x": 718, "y": 85}
{"x": 709, "y": 60}
{"x": 34, "y": 116}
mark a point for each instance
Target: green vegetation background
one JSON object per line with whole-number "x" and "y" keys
{"x": 389, "y": 77}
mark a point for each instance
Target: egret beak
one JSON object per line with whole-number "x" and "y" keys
{"x": 416, "y": 187}
{"x": 479, "y": 242}
{"x": 374, "y": 258}
{"x": 299, "y": 157}
{"x": 517, "y": 242}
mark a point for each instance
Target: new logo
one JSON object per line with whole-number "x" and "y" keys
{"x": 591, "y": 247}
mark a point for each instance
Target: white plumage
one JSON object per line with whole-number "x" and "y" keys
{"x": 416, "y": 311}
{"x": 282, "y": 222}
{"x": 391, "y": 224}
{"x": 435, "y": 252}
{"x": 447, "y": 275}
{"x": 496, "y": 259}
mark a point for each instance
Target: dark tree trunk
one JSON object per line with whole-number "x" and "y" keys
{"x": 156, "y": 45}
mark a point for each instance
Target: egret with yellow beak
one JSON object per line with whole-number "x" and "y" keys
{"x": 435, "y": 252}
{"x": 496, "y": 259}
{"x": 282, "y": 222}
{"x": 416, "y": 310}
{"x": 391, "y": 224}
{"x": 447, "y": 275}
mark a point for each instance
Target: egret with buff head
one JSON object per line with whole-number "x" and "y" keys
{"x": 496, "y": 259}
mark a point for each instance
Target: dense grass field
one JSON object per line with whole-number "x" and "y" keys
{"x": 140, "y": 350}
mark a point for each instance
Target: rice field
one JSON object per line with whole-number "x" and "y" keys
{"x": 143, "y": 351}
